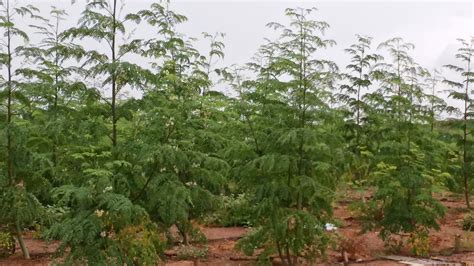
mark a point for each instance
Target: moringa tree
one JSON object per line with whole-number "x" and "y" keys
{"x": 102, "y": 21}
{"x": 177, "y": 127}
{"x": 54, "y": 97}
{"x": 19, "y": 206}
{"x": 360, "y": 78}
{"x": 290, "y": 176}
{"x": 215, "y": 53}
{"x": 462, "y": 91}
{"x": 437, "y": 104}
{"x": 360, "y": 68}
{"x": 403, "y": 201}
{"x": 96, "y": 191}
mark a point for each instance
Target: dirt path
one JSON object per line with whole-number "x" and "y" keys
{"x": 229, "y": 233}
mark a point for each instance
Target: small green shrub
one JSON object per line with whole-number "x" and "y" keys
{"x": 468, "y": 222}
{"x": 196, "y": 235}
{"x": 394, "y": 244}
{"x": 140, "y": 243}
{"x": 234, "y": 210}
{"x": 420, "y": 243}
{"x": 7, "y": 244}
{"x": 191, "y": 252}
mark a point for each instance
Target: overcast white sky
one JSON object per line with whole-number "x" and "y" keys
{"x": 433, "y": 26}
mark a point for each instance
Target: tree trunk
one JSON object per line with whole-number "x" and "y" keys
{"x": 183, "y": 231}
{"x": 23, "y": 247}
{"x": 114, "y": 77}
{"x": 9, "y": 103}
{"x": 280, "y": 254}
{"x": 288, "y": 256}
{"x": 464, "y": 142}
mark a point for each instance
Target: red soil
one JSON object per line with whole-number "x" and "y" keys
{"x": 367, "y": 251}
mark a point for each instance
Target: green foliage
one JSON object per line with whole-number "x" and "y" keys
{"x": 233, "y": 210}
{"x": 353, "y": 94}
{"x": 185, "y": 168}
{"x": 19, "y": 206}
{"x": 420, "y": 243}
{"x": 140, "y": 243}
{"x": 27, "y": 208}
{"x": 191, "y": 252}
{"x": 176, "y": 141}
{"x": 402, "y": 204}
{"x": 403, "y": 177}
{"x": 103, "y": 226}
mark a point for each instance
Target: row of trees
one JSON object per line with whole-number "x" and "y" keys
{"x": 108, "y": 174}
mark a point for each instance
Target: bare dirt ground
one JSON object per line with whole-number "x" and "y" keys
{"x": 368, "y": 249}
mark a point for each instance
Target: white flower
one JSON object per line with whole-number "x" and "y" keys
{"x": 99, "y": 213}
{"x": 103, "y": 234}
{"x": 107, "y": 189}
{"x": 191, "y": 184}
